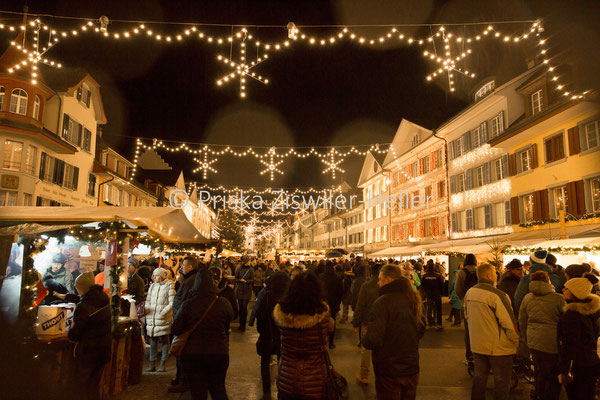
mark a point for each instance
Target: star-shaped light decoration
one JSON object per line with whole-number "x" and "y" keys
{"x": 268, "y": 159}
{"x": 205, "y": 163}
{"x": 332, "y": 164}
{"x": 242, "y": 69}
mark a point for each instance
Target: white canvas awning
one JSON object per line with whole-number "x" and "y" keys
{"x": 169, "y": 224}
{"x": 389, "y": 252}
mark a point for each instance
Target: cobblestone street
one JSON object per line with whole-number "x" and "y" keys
{"x": 443, "y": 374}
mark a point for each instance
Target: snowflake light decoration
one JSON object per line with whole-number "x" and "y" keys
{"x": 333, "y": 165}
{"x": 242, "y": 69}
{"x": 205, "y": 163}
{"x": 268, "y": 160}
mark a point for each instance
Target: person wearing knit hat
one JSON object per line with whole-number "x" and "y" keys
{"x": 557, "y": 269}
{"x": 579, "y": 364}
{"x": 576, "y": 270}
{"x": 538, "y": 263}
{"x": 84, "y": 282}
{"x": 510, "y": 280}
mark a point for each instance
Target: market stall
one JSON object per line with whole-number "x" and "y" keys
{"x": 75, "y": 239}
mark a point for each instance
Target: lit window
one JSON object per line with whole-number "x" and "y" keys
{"x": 528, "y": 208}
{"x": 560, "y": 200}
{"x": 536, "y": 102}
{"x": 30, "y": 159}
{"x": 595, "y": 193}
{"x": 590, "y": 135}
{"x": 524, "y": 160}
{"x": 36, "y": 107}
{"x": 498, "y": 169}
{"x": 8, "y": 198}
{"x": 18, "y": 101}
{"x": 13, "y": 154}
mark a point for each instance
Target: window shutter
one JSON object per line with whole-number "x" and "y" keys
{"x": 435, "y": 226}
{"x": 422, "y": 228}
{"x": 483, "y": 132}
{"x": 488, "y": 215}
{"x": 466, "y": 142}
{"x": 65, "y": 130}
{"x": 534, "y": 156}
{"x": 79, "y": 92}
{"x": 571, "y": 198}
{"x": 75, "y": 177}
{"x": 512, "y": 164}
{"x": 59, "y": 170}
{"x": 469, "y": 219}
{"x": 486, "y": 173}
{"x": 537, "y": 206}
{"x": 544, "y": 205}
{"x": 451, "y": 150}
{"x": 454, "y": 223}
{"x": 453, "y": 184}
{"x": 505, "y": 166}
{"x": 432, "y": 161}
{"x": 43, "y": 165}
{"x": 514, "y": 211}
{"x": 574, "y": 143}
{"x": 421, "y": 166}
{"x": 88, "y": 96}
{"x": 79, "y": 134}
{"x": 469, "y": 179}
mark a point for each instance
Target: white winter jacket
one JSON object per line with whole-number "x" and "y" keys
{"x": 159, "y": 308}
{"x": 492, "y": 324}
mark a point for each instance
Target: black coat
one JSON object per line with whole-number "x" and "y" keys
{"x": 393, "y": 334}
{"x": 136, "y": 288}
{"x": 226, "y": 291}
{"x": 578, "y": 331}
{"x": 91, "y": 328}
{"x": 212, "y": 335}
{"x": 355, "y": 290}
{"x": 508, "y": 284}
{"x": 183, "y": 292}
{"x": 368, "y": 293}
{"x": 333, "y": 289}
{"x": 432, "y": 285}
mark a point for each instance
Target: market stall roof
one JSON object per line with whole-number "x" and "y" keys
{"x": 169, "y": 224}
{"x": 529, "y": 237}
{"x": 389, "y": 252}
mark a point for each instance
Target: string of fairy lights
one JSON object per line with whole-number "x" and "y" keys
{"x": 446, "y": 47}
{"x": 271, "y": 158}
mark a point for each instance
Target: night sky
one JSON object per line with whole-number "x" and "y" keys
{"x": 316, "y": 97}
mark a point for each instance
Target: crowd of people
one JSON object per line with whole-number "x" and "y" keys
{"x": 516, "y": 310}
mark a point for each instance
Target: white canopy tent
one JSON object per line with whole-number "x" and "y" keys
{"x": 166, "y": 223}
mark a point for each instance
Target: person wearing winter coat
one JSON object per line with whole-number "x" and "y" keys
{"x": 466, "y": 279}
{"x": 492, "y": 332}
{"x": 510, "y": 280}
{"x": 205, "y": 358}
{"x": 224, "y": 290}
{"x": 268, "y": 343}
{"x": 259, "y": 279}
{"x": 304, "y": 322}
{"x": 368, "y": 293}
{"x": 539, "y": 315}
{"x": 159, "y": 316}
{"x": 91, "y": 331}
{"x": 244, "y": 277}
{"x": 57, "y": 280}
{"x": 538, "y": 263}
{"x": 135, "y": 284}
{"x": 578, "y": 337}
{"x": 455, "y": 304}
{"x": 360, "y": 273}
{"x": 393, "y": 333}
{"x": 432, "y": 285}
{"x": 333, "y": 291}
{"x": 347, "y": 293}
{"x": 558, "y": 270}
{"x": 189, "y": 269}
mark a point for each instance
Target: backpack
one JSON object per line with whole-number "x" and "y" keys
{"x": 470, "y": 279}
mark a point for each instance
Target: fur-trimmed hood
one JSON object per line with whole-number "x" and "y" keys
{"x": 588, "y": 308}
{"x": 298, "y": 321}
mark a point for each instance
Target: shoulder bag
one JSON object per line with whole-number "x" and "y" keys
{"x": 337, "y": 386}
{"x": 180, "y": 341}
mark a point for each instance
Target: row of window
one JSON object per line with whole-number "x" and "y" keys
{"x": 472, "y": 178}
{"x": 377, "y": 235}
{"x": 9, "y": 198}
{"x": 488, "y": 216}
{"x": 18, "y": 157}
{"x": 76, "y": 134}
{"x": 426, "y": 227}
{"x": 57, "y": 171}
{"x": 477, "y": 137}
{"x": 356, "y": 238}
{"x": 420, "y": 167}
{"x": 353, "y": 220}
{"x": 116, "y": 196}
{"x": 18, "y": 102}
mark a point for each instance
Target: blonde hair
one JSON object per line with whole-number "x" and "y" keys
{"x": 484, "y": 269}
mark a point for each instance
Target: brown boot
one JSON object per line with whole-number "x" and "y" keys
{"x": 151, "y": 366}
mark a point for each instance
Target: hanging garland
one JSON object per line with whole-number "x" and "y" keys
{"x": 564, "y": 250}
{"x": 568, "y": 218}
